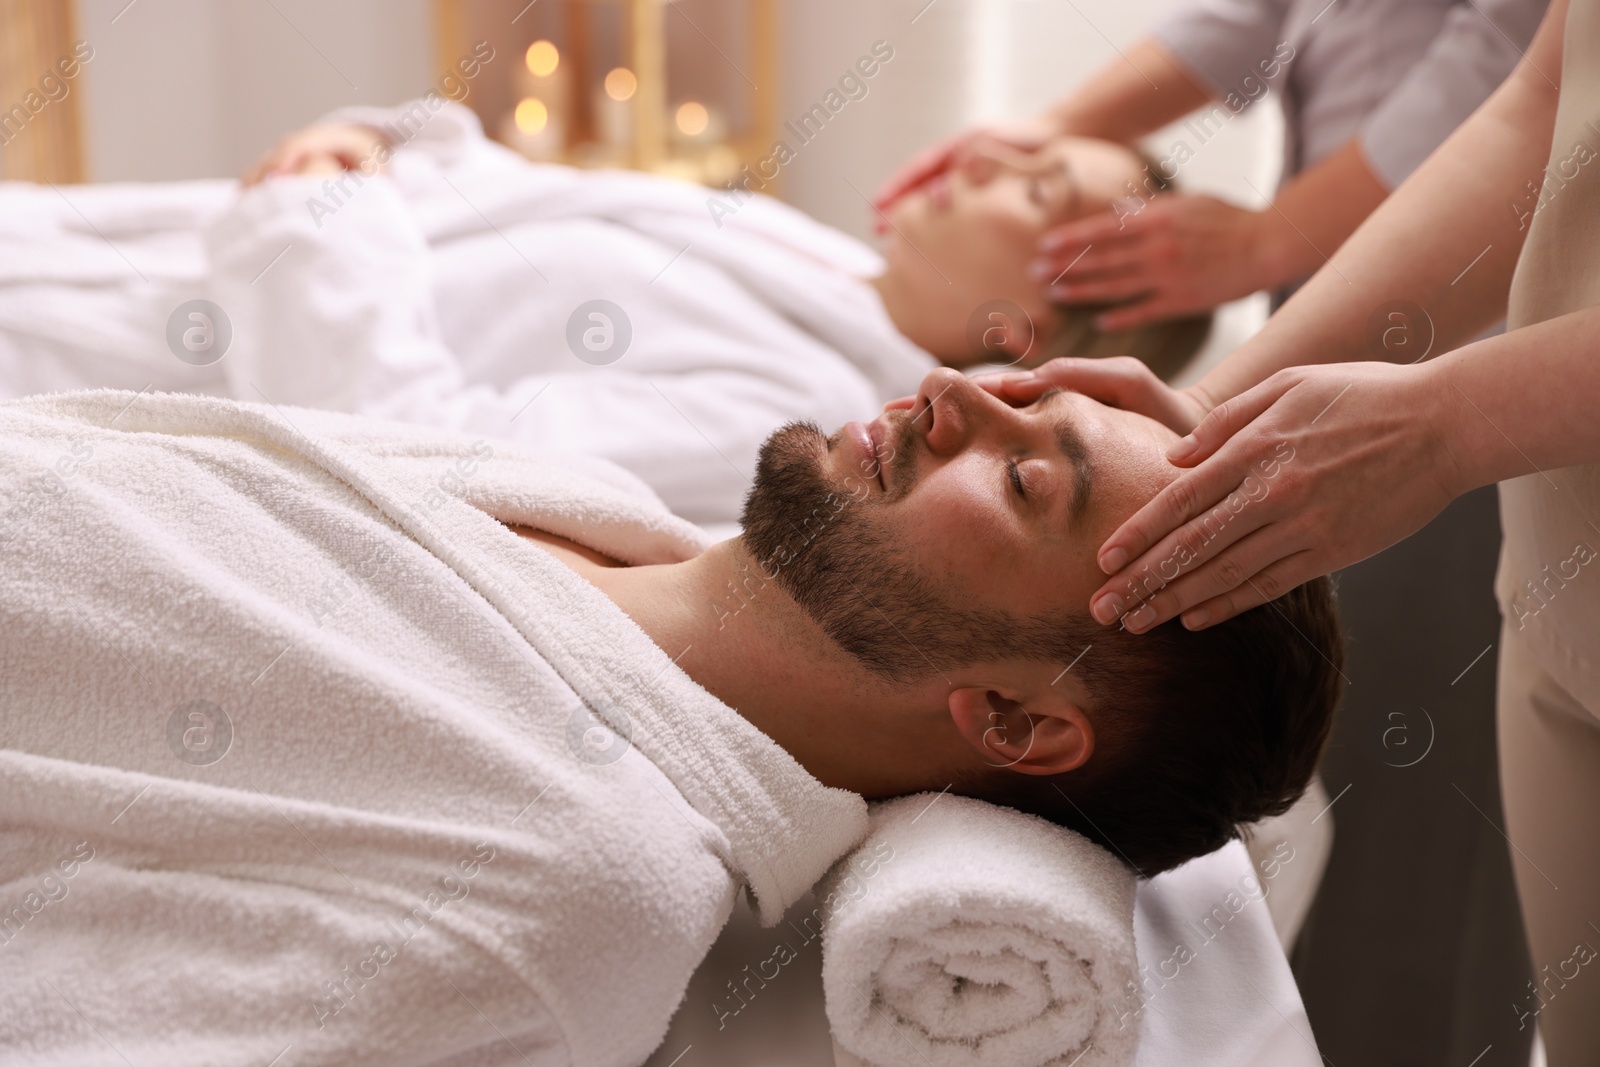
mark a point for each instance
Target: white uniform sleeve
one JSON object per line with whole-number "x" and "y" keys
{"x": 1476, "y": 48}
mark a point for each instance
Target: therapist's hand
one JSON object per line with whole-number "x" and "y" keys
{"x": 1312, "y": 470}
{"x": 1177, "y": 255}
{"x": 1028, "y": 135}
{"x": 325, "y": 147}
{"x": 1119, "y": 381}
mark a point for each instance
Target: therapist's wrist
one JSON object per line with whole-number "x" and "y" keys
{"x": 1465, "y": 446}
{"x": 1065, "y": 120}
{"x": 1280, "y": 252}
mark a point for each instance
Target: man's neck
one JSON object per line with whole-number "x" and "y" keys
{"x": 741, "y": 637}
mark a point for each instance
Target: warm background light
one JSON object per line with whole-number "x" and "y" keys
{"x": 532, "y": 115}
{"x": 621, "y": 84}
{"x": 543, "y": 58}
{"x": 692, "y": 118}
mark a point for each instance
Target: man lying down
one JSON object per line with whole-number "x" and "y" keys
{"x": 341, "y": 741}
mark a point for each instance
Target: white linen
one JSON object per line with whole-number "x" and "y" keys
{"x": 440, "y": 294}
{"x": 1307, "y": 830}
{"x": 403, "y": 853}
{"x": 982, "y": 935}
{"x": 1215, "y": 986}
{"x": 1235, "y": 1004}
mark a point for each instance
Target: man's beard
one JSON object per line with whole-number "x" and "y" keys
{"x": 831, "y": 549}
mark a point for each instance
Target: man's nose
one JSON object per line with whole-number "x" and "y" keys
{"x": 951, "y": 411}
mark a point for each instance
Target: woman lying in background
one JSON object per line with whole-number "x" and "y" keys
{"x": 450, "y": 282}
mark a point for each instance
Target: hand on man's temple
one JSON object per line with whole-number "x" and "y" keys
{"x": 1312, "y": 470}
{"x": 1170, "y": 255}
{"x": 323, "y": 148}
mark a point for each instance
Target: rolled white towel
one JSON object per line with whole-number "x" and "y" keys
{"x": 962, "y": 933}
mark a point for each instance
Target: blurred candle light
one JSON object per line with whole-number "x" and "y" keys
{"x": 537, "y": 126}
{"x": 532, "y": 115}
{"x": 692, "y": 118}
{"x": 543, "y": 58}
{"x": 614, "y": 113}
{"x": 621, "y": 84}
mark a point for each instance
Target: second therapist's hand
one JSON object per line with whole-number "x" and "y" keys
{"x": 1028, "y": 135}
{"x": 1175, "y": 255}
{"x": 1312, "y": 470}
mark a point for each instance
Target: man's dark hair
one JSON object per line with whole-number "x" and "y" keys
{"x": 1197, "y": 733}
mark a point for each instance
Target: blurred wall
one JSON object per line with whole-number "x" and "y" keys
{"x": 200, "y": 88}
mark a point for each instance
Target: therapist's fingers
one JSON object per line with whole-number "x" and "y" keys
{"x": 1116, "y": 257}
{"x": 1151, "y": 533}
{"x": 935, "y": 159}
{"x": 1016, "y": 388}
{"x": 1225, "y": 420}
{"x": 1166, "y": 536}
{"x": 1100, "y": 227}
{"x": 1250, "y": 571}
{"x": 1347, "y": 460}
{"x": 1101, "y": 290}
{"x": 1027, "y": 135}
{"x": 1267, "y": 585}
{"x": 1118, "y": 381}
{"x": 1190, "y": 522}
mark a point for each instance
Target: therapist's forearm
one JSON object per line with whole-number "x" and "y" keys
{"x": 1131, "y": 96}
{"x": 1316, "y": 211}
{"x": 1445, "y": 240}
{"x": 1521, "y": 401}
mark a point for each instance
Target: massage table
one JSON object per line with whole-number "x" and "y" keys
{"x": 1234, "y": 1004}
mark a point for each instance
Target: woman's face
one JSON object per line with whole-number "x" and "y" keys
{"x": 965, "y": 238}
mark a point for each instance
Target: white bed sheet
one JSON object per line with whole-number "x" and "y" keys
{"x": 1234, "y": 1004}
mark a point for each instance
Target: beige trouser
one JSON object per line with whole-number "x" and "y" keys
{"x": 1550, "y": 782}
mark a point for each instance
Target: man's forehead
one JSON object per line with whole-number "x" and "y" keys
{"x": 1126, "y": 460}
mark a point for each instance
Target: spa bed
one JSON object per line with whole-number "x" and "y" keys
{"x": 1233, "y": 1004}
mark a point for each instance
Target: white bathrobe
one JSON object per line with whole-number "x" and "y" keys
{"x": 441, "y": 294}
{"x": 305, "y": 755}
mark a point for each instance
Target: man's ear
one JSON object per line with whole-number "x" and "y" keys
{"x": 1049, "y": 734}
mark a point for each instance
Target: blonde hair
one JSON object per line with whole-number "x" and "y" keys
{"x": 1165, "y": 347}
